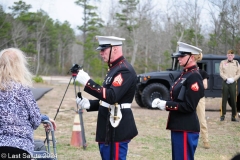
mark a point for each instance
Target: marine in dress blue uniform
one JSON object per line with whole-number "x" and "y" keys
{"x": 117, "y": 90}
{"x": 185, "y": 94}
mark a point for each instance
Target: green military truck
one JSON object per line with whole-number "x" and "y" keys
{"x": 157, "y": 84}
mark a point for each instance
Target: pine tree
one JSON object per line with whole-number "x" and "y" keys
{"x": 90, "y": 28}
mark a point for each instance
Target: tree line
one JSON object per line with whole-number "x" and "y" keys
{"x": 151, "y": 33}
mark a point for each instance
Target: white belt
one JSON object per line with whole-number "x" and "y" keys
{"x": 122, "y": 106}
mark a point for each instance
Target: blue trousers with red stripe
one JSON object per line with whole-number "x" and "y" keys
{"x": 184, "y": 145}
{"x": 119, "y": 153}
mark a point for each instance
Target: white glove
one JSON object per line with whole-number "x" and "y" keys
{"x": 82, "y": 77}
{"x": 227, "y": 81}
{"x": 230, "y": 80}
{"x": 83, "y": 102}
{"x": 158, "y": 103}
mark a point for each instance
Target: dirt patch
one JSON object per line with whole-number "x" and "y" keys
{"x": 153, "y": 140}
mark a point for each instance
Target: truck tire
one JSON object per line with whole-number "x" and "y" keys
{"x": 152, "y": 91}
{"x": 138, "y": 99}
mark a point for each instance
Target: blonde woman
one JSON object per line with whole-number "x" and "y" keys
{"x": 185, "y": 95}
{"x": 19, "y": 113}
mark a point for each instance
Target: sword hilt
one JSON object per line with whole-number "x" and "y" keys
{"x": 79, "y": 95}
{"x": 115, "y": 112}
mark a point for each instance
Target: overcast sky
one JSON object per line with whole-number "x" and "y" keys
{"x": 62, "y": 9}
{"x": 57, "y": 9}
{"x": 67, "y": 10}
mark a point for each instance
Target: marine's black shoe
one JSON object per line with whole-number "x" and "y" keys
{"x": 222, "y": 118}
{"x": 235, "y": 120}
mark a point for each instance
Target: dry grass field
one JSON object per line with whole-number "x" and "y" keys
{"x": 153, "y": 140}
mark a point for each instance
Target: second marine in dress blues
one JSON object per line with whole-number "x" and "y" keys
{"x": 185, "y": 109}
{"x": 185, "y": 94}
